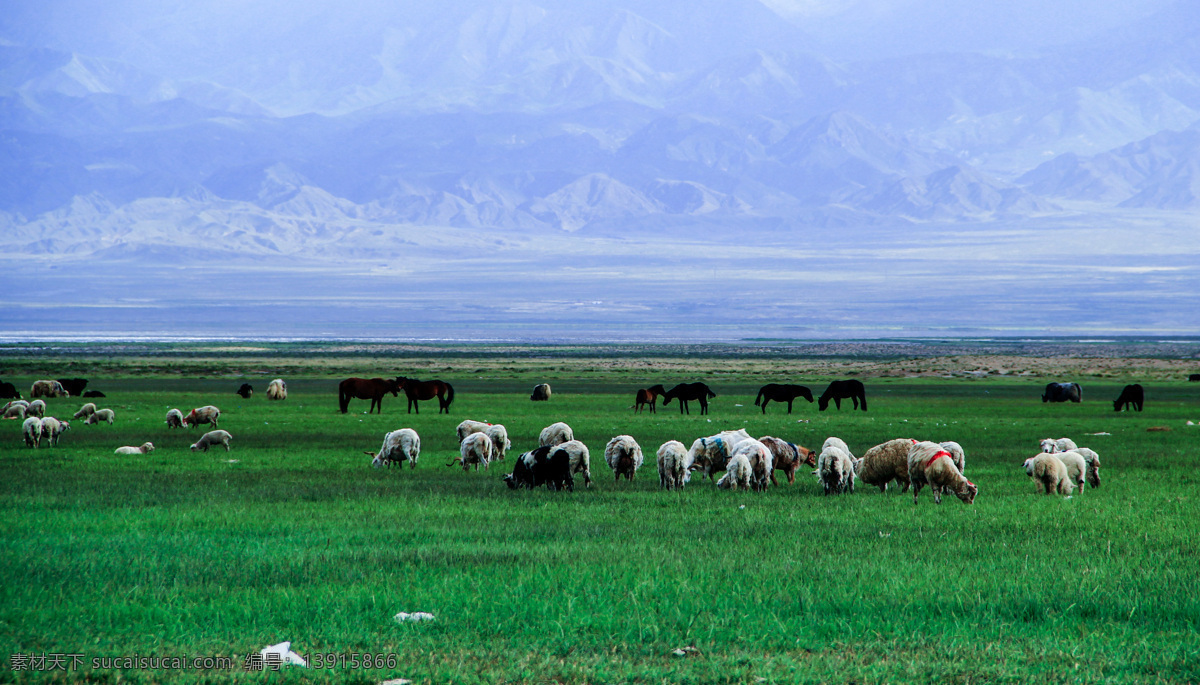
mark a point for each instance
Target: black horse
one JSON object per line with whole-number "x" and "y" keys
{"x": 427, "y": 390}
{"x": 841, "y": 390}
{"x": 1063, "y": 392}
{"x": 1130, "y": 395}
{"x": 781, "y": 393}
{"x": 686, "y": 392}
{"x": 366, "y": 389}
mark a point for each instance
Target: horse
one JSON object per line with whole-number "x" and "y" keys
{"x": 841, "y": 390}
{"x": 1063, "y": 392}
{"x": 366, "y": 389}
{"x": 781, "y": 393}
{"x": 1131, "y": 395}
{"x": 647, "y": 396}
{"x": 686, "y": 392}
{"x": 426, "y": 390}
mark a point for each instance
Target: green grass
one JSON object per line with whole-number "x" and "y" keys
{"x": 185, "y": 553}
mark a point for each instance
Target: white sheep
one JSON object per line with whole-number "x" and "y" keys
{"x": 739, "y": 473}
{"x": 712, "y": 453}
{"x": 85, "y": 411}
{"x": 500, "y": 442}
{"x": 673, "y": 465}
{"x": 1076, "y": 467}
{"x": 398, "y": 446}
{"x": 36, "y": 408}
{"x": 838, "y": 443}
{"x": 52, "y": 429}
{"x": 174, "y": 418}
{"x": 1049, "y": 472}
{"x": 580, "y": 459}
{"x": 207, "y": 414}
{"x": 931, "y": 464}
{"x": 1093, "y": 465}
{"x": 475, "y": 449}
{"x": 32, "y": 429}
{"x": 555, "y": 434}
{"x": 884, "y": 463}
{"x": 762, "y": 462}
{"x": 624, "y": 456}
{"x": 468, "y": 427}
{"x": 217, "y": 437}
{"x": 1052, "y": 445}
{"x": 146, "y": 448}
{"x": 835, "y": 469}
{"x": 14, "y": 403}
{"x": 277, "y": 390}
{"x": 16, "y": 411}
{"x": 956, "y": 455}
{"x": 101, "y": 415}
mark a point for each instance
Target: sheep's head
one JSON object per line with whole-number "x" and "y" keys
{"x": 375, "y": 460}
{"x": 1049, "y": 446}
{"x": 1093, "y": 475}
{"x": 967, "y": 493}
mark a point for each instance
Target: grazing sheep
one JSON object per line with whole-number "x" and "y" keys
{"x": 835, "y": 470}
{"x": 146, "y": 448}
{"x": 15, "y": 403}
{"x": 1050, "y": 445}
{"x": 884, "y": 463}
{"x": 739, "y": 473}
{"x": 673, "y": 465}
{"x": 541, "y": 392}
{"x": 1076, "y": 467}
{"x": 100, "y": 415}
{"x": 956, "y": 454}
{"x": 16, "y": 411}
{"x": 555, "y": 434}
{"x": 476, "y": 449}
{"x": 624, "y": 456}
{"x": 838, "y": 443}
{"x": 206, "y": 414}
{"x": 85, "y": 411}
{"x": 36, "y": 408}
{"x": 1093, "y": 465}
{"x": 1050, "y": 474}
{"x": 47, "y": 389}
{"x": 712, "y": 453}
{"x": 468, "y": 427}
{"x": 500, "y": 442}
{"x": 398, "y": 446}
{"x": 32, "y": 429}
{"x": 52, "y": 429}
{"x": 931, "y": 464}
{"x": 217, "y": 437}
{"x": 277, "y": 390}
{"x": 174, "y": 418}
{"x": 762, "y": 462}
{"x": 787, "y": 457}
{"x": 579, "y": 459}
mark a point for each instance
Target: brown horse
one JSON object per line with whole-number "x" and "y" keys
{"x": 647, "y": 396}
{"x": 366, "y": 389}
{"x": 426, "y": 390}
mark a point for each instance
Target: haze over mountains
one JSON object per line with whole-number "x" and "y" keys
{"x": 788, "y": 168}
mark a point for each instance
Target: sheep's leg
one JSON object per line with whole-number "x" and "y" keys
{"x": 916, "y": 489}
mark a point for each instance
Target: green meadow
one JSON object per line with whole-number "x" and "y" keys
{"x": 292, "y": 536}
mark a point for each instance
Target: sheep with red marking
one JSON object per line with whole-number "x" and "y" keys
{"x": 206, "y": 414}
{"x": 931, "y": 464}
{"x": 624, "y": 456}
{"x": 16, "y": 411}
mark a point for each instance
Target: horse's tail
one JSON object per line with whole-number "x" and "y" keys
{"x": 863, "y": 397}
{"x": 758, "y": 399}
{"x": 449, "y": 396}
{"x": 343, "y": 399}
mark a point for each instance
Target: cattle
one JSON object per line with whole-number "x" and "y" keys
{"x": 1194, "y": 377}
{"x": 94, "y": 393}
{"x": 541, "y": 392}
{"x": 8, "y": 391}
{"x": 246, "y": 391}
{"x": 549, "y": 466}
{"x": 1130, "y": 395}
{"x": 75, "y": 386}
{"x": 1063, "y": 392}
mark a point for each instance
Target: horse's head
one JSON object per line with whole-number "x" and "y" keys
{"x": 822, "y": 402}
{"x": 397, "y": 385}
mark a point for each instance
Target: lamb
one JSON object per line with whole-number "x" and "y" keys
{"x": 468, "y": 427}
{"x": 673, "y": 463}
{"x": 1050, "y": 445}
{"x": 100, "y": 415}
{"x": 85, "y": 411}
{"x": 739, "y": 473}
{"x": 146, "y": 448}
{"x": 624, "y": 456}
{"x": 398, "y": 446}
{"x": 555, "y": 434}
{"x": 32, "y": 429}
{"x": 884, "y": 463}
{"x": 36, "y": 408}
{"x": 277, "y": 390}
{"x": 52, "y": 429}
{"x": 47, "y": 389}
{"x": 476, "y": 449}
{"x": 16, "y": 411}
{"x": 713, "y": 452}
{"x": 1076, "y": 467}
{"x": 580, "y": 460}
{"x": 762, "y": 462}
{"x": 931, "y": 464}
{"x": 835, "y": 469}
{"x": 787, "y": 457}
{"x": 217, "y": 437}
{"x": 1093, "y": 465}
{"x": 498, "y": 434}
{"x": 1049, "y": 472}
{"x": 206, "y": 414}
{"x": 174, "y": 418}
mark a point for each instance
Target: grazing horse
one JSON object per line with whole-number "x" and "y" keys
{"x": 1131, "y": 395}
{"x": 781, "y": 393}
{"x": 366, "y": 389}
{"x": 1063, "y": 392}
{"x": 426, "y": 390}
{"x": 648, "y": 396}
{"x": 841, "y": 390}
{"x": 686, "y": 392}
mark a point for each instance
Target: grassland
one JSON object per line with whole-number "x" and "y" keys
{"x": 291, "y": 536}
